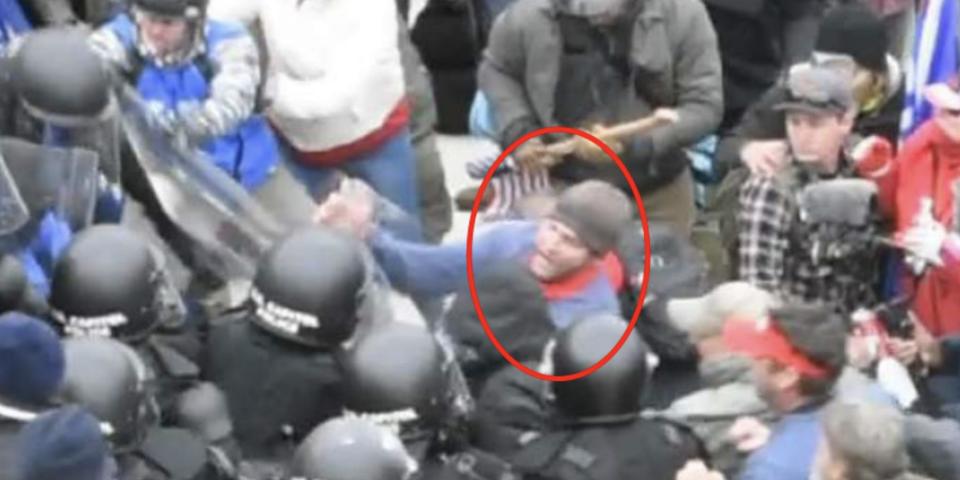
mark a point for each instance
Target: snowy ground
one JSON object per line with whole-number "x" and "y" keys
{"x": 455, "y": 151}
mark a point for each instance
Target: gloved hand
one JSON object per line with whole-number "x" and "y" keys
{"x": 923, "y": 243}
{"x": 872, "y": 156}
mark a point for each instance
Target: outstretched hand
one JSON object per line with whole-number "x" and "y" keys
{"x": 350, "y": 209}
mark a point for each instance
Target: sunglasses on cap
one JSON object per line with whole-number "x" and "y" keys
{"x": 805, "y": 89}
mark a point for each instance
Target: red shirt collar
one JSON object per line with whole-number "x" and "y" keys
{"x": 574, "y": 283}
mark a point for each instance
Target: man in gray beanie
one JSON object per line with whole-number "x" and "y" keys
{"x": 569, "y": 251}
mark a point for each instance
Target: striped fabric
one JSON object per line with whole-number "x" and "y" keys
{"x": 508, "y": 185}
{"x": 934, "y": 59}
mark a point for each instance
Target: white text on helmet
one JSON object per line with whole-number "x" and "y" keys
{"x": 90, "y": 326}
{"x": 281, "y": 317}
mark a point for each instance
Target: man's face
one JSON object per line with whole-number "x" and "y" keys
{"x": 164, "y": 35}
{"x": 559, "y": 251}
{"x": 817, "y": 139}
{"x": 773, "y": 382}
{"x": 949, "y": 121}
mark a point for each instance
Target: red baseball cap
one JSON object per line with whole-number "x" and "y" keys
{"x": 762, "y": 338}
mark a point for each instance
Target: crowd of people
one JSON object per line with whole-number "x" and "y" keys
{"x": 223, "y": 226}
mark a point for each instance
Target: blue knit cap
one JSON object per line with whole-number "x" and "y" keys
{"x": 62, "y": 444}
{"x": 31, "y": 359}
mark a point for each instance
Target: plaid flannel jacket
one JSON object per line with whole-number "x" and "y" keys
{"x": 776, "y": 247}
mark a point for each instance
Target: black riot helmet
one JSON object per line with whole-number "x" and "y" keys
{"x": 308, "y": 288}
{"x": 60, "y": 79}
{"x": 394, "y": 375}
{"x": 349, "y": 449}
{"x": 110, "y": 283}
{"x": 108, "y": 379}
{"x": 615, "y": 388}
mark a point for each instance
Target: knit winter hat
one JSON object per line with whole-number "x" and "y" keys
{"x": 62, "y": 444}
{"x": 596, "y": 211}
{"x": 31, "y": 359}
{"x": 853, "y": 29}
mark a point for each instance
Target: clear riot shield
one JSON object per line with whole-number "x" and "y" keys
{"x": 47, "y": 179}
{"x": 99, "y": 135}
{"x": 229, "y": 228}
{"x": 13, "y": 210}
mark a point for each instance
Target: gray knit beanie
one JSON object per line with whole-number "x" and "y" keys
{"x": 596, "y": 211}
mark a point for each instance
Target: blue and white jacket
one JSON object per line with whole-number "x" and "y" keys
{"x": 221, "y": 76}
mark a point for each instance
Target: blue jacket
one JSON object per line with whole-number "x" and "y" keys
{"x": 791, "y": 450}
{"x": 222, "y": 80}
{"x": 434, "y": 270}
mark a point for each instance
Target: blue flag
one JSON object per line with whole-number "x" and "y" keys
{"x": 934, "y": 60}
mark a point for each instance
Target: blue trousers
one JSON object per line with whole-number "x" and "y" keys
{"x": 391, "y": 170}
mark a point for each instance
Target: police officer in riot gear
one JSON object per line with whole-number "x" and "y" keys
{"x": 595, "y": 429}
{"x": 400, "y": 376}
{"x": 108, "y": 378}
{"x": 56, "y": 174}
{"x": 349, "y": 448}
{"x": 80, "y": 112}
{"x": 274, "y": 357}
{"x": 110, "y": 283}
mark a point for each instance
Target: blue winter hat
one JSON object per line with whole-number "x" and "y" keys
{"x": 64, "y": 443}
{"x": 31, "y": 359}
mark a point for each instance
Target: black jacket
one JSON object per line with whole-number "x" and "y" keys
{"x": 510, "y": 407}
{"x": 757, "y": 39}
{"x": 277, "y": 391}
{"x": 637, "y": 448}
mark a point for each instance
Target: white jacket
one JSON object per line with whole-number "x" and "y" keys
{"x": 333, "y": 73}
